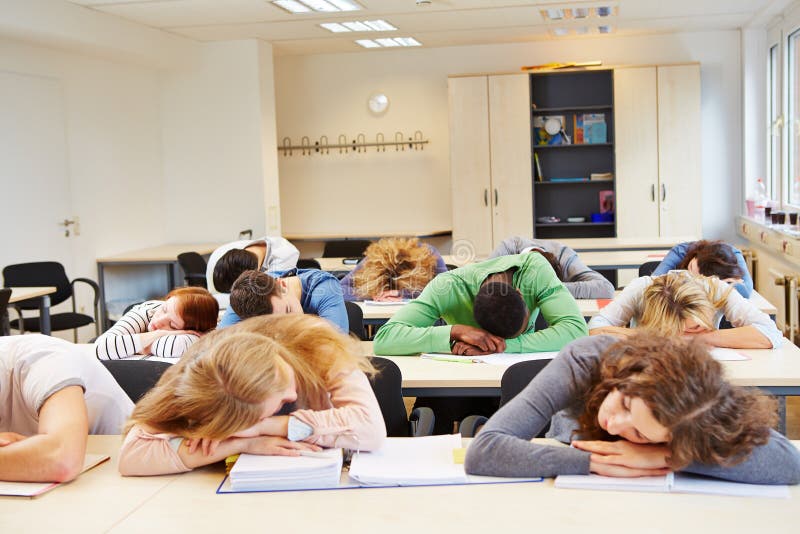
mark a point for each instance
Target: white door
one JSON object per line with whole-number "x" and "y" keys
{"x": 34, "y": 173}
{"x": 636, "y": 149}
{"x": 469, "y": 166}
{"x": 679, "y": 150}
{"x": 510, "y": 139}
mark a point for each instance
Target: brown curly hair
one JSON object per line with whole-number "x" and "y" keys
{"x": 395, "y": 263}
{"x": 709, "y": 420}
{"x": 714, "y": 258}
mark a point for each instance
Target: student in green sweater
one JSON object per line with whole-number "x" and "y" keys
{"x": 488, "y": 307}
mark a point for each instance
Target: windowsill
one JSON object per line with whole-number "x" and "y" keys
{"x": 776, "y": 238}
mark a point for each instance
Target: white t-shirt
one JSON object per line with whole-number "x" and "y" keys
{"x": 34, "y": 367}
{"x": 281, "y": 256}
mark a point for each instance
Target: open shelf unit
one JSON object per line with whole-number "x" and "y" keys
{"x": 571, "y": 95}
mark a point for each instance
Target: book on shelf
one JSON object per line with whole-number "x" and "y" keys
{"x": 672, "y": 483}
{"x": 601, "y": 176}
{"x": 577, "y": 129}
{"x": 538, "y": 168}
{"x": 568, "y": 179}
{"x": 594, "y": 128}
{"x": 542, "y": 137}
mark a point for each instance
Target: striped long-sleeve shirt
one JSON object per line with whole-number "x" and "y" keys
{"x": 124, "y": 338}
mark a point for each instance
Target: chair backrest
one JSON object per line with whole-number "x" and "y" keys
{"x": 5, "y": 296}
{"x": 36, "y": 274}
{"x": 387, "y": 386}
{"x": 450, "y": 266}
{"x": 517, "y": 377}
{"x": 647, "y": 268}
{"x": 355, "y": 318}
{"x": 349, "y": 248}
{"x": 308, "y": 263}
{"x": 136, "y": 377}
{"x": 194, "y": 266}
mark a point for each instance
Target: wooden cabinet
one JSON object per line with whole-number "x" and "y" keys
{"x": 657, "y": 120}
{"x": 490, "y": 160}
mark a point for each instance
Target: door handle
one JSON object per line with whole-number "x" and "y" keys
{"x": 495, "y": 197}
{"x": 652, "y": 192}
{"x": 663, "y": 192}
{"x": 486, "y": 197}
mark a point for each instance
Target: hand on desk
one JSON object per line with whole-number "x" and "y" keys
{"x": 621, "y": 332}
{"x": 465, "y": 349}
{"x": 477, "y": 338}
{"x": 626, "y": 459}
{"x": 389, "y": 296}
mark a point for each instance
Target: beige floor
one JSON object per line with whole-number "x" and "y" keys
{"x": 792, "y": 415}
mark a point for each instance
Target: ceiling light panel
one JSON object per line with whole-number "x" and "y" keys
{"x": 323, "y": 6}
{"x": 407, "y": 41}
{"x": 368, "y": 43}
{"x": 567, "y": 12}
{"x": 380, "y": 25}
{"x": 358, "y": 26}
{"x": 334, "y": 27}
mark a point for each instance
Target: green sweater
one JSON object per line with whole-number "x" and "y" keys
{"x": 451, "y": 295}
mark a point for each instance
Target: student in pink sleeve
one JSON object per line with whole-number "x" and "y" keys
{"x": 272, "y": 385}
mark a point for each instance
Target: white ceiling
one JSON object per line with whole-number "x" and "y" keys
{"x": 440, "y": 23}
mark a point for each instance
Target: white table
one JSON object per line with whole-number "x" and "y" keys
{"x": 101, "y": 500}
{"x": 24, "y": 293}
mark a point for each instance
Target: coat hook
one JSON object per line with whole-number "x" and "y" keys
{"x": 342, "y": 142}
{"x": 323, "y": 143}
{"x": 418, "y": 140}
{"x": 305, "y": 144}
{"x": 398, "y": 141}
{"x": 362, "y": 140}
{"x": 287, "y": 146}
{"x": 379, "y": 142}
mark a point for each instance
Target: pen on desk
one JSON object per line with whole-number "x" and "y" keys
{"x": 446, "y": 359}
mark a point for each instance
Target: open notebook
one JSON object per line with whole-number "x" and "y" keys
{"x": 499, "y": 358}
{"x": 32, "y": 489}
{"x": 425, "y": 461}
{"x": 672, "y": 483}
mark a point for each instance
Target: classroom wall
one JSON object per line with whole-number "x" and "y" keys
{"x": 217, "y": 112}
{"x": 327, "y": 94}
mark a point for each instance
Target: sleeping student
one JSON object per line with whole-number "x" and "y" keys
{"x": 681, "y": 304}
{"x": 272, "y": 385}
{"x": 642, "y": 406}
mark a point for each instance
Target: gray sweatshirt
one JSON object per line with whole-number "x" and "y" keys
{"x": 503, "y": 447}
{"x": 580, "y": 281}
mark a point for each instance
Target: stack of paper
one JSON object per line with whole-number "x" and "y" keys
{"x": 410, "y": 462}
{"x": 673, "y": 483}
{"x": 263, "y": 473}
{"x": 500, "y": 358}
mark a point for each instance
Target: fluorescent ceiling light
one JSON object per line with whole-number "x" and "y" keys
{"x": 407, "y": 41}
{"x": 605, "y": 11}
{"x": 581, "y": 30}
{"x": 325, "y": 6}
{"x": 292, "y": 6}
{"x": 580, "y": 12}
{"x": 334, "y": 27}
{"x": 559, "y": 32}
{"x": 356, "y": 26}
{"x": 605, "y": 28}
{"x": 368, "y": 43}
{"x": 380, "y": 25}
{"x": 388, "y": 42}
{"x": 552, "y": 14}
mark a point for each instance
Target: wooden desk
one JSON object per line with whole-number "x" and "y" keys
{"x": 620, "y": 259}
{"x": 101, "y": 500}
{"x": 164, "y": 255}
{"x": 336, "y": 265}
{"x": 774, "y": 370}
{"x": 623, "y": 243}
{"x": 24, "y": 293}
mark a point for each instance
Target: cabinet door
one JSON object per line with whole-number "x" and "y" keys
{"x": 636, "y": 144}
{"x": 469, "y": 165}
{"x": 679, "y": 150}
{"x": 510, "y": 141}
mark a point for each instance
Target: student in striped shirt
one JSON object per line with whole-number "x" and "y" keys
{"x": 164, "y": 328}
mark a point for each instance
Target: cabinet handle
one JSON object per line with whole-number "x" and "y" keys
{"x": 652, "y": 192}
{"x": 663, "y": 192}
{"x": 486, "y": 197}
{"x": 495, "y": 197}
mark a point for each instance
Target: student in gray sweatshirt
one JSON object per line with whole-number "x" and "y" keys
{"x": 580, "y": 281}
{"x": 643, "y": 406}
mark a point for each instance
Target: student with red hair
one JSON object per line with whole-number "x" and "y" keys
{"x": 164, "y": 328}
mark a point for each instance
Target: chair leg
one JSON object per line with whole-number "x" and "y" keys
{"x": 21, "y": 322}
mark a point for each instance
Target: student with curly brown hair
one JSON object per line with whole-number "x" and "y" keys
{"x": 710, "y": 258}
{"x": 644, "y": 406}
{"x": 394, "y": 268}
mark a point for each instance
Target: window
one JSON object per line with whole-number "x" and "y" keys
{"x": 791, "y": 181}
{"x": 773, "y": 122}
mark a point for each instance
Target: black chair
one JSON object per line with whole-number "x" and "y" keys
{"x": 5, "y": 296}
{"x": 308, "y": 263}
{"x": 515, "y": 379}
{"x": 136, "y": 377}
{"x": 194, "y": 269}
{"x": 647, "y": 268}
{"x": 387, "y": 386}
{"x": 355, "y": 318}
{"x": 450, "y": 266}
{"x": 49, "y": 273}
{"x": 348, "y": 248}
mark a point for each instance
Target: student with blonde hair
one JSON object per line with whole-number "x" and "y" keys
{"x": 394, "y": 268}
{"x": 641, "y": 406}
{"x": 271, "y": 385}
{"x": 164, "y": 328}
{"x": 679, "y": 303}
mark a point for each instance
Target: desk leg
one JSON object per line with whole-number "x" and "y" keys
{"x": 44, "y": 315}
{"x": 5, "y": 326}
